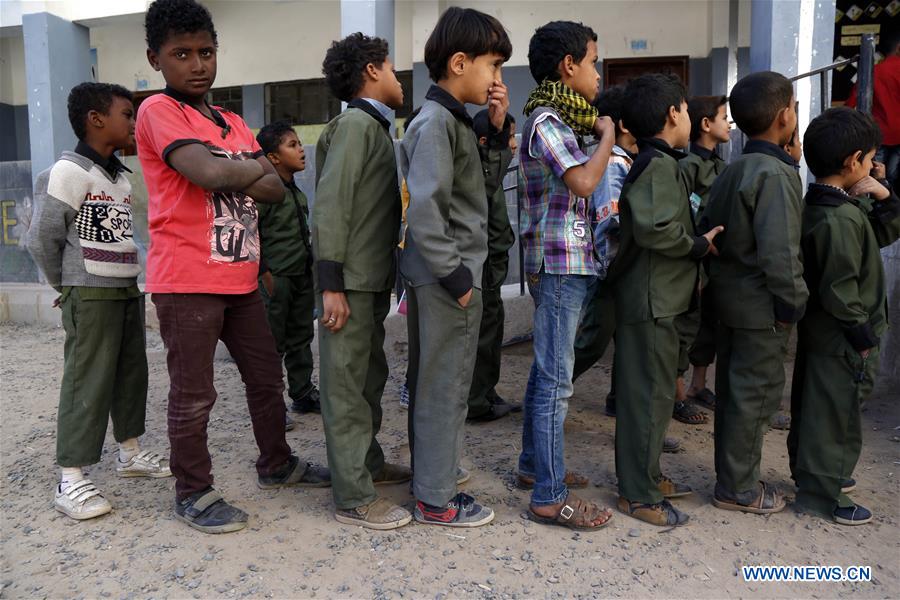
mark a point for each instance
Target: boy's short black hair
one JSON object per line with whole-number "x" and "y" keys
{"x": 757, "y": 99}
{"x": 889, "y": 42}
{"x": 647, "y": 101}
{"x": 464, "y": 30}
{"x": 346, "y": 60}
{"x": 89, "y": 96}
{"x": 481, "y": 123}
{"x": 552, "y": 43}
{"x": 271, "y": 135}
{"x": 609, "y": 103}
{"x": 172, "y": 17}
{"x": 703, "y": 107}
{"x": 836, "y": 134}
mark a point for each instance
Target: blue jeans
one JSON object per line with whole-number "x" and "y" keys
{"x": 558, "y": 301}
{"x": 890, "y": 156}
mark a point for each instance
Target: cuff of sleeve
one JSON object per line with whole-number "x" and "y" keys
{"x": 330, "y": 275}
{"x": 177, "y": 144}
{"x": 257, "y": 154}
{"x": 785, "y": 313}
{"x": 498, "y": 139}
{"x": 887, "y": 210}
{"x": 861, "y": 337}
{"x": 458, "y": 282}
{"x": 700, "y": 248}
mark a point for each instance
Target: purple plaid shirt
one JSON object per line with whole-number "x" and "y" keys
{"x": 555, "y": 229}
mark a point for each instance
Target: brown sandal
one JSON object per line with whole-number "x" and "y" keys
{"x": 767, "y": 502}
{"x": 572, "y": 480}
{"x": 575, "y": 513}
{"x": 688, "y": 413}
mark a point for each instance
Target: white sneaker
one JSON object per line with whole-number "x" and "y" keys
{"x": 81, "y": 500}
{"x": 144, "y": 464}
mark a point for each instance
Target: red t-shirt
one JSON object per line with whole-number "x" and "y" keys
{"x": 885, "y": 99}
{"x": 201, "y": 241}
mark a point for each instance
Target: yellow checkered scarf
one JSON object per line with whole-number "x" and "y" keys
{"x": 572, "y": 107}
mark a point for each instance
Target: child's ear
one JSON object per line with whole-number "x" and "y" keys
{"x": 95, "y": 119}
{"x": 153, "y": 59}
{"x": 567, "y": 65}
{"x": 705, "y": 125}
{"x": 273, "y": 158}
{"x": 372, "y": 72}
{"x": 622, "y": 127}
{"x": 483, "y": 140}
{"x": 673, "y": 115}
{"x": 456, "y": 64}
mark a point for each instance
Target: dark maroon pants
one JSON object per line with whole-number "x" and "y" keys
{"x": 191, "y": 325}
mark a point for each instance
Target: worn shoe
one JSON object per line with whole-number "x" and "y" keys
{"x": 309, "y": 403}
{"x": 144, "y": 464}
{"x": 391, "y": 474}
{"x": 670, "y": 489}
{"x": 781, "y": 421}
{"x": 462, "y": 475}
{"x": 381, "y": 514}
{"x": 496, "y": 411}
{"x": 208, "y": 512}
{"x": 296, "y": 474}
{"x": 852, "y": 515}
{"x": 848, "y": 485}
{"x": 289, "y": 423}
{"x": 495, "y": 399}
{"x": 671, "y": 445}
{"x": 81, "y": 500}
{"x": 661, "y": 513}
{"x": 610, "y": 409}
{"x": 461, "y": 511}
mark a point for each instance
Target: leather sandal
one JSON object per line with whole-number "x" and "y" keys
{"x": 575, "y": 513}
{"x": 767, "y": 502}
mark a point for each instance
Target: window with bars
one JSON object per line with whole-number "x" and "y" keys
{"x": 229, "y": 98}
{"x": 305, "y": 102}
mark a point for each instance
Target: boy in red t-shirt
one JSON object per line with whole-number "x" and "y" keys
{"x": 205, "y": 173}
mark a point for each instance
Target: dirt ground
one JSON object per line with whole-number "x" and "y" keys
{"x": 294, "y": 548}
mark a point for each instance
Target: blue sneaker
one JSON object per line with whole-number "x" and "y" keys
{"x": 852, "y": 515}
{"x": 461, "y": 511}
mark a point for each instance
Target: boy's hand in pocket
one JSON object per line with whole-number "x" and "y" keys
{"x": 465, "y": 298}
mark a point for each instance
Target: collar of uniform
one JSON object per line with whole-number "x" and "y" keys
{"x": 184, "y": 100}
{"x": 111, "y": 165}
{"x": 655, "y": 143}
{"x": 821, "y": 194}
{"x": 446, "y": 99}
{"x": 764, "y": 147}
{"x": 367, "y": 106}
{"x": 704, "y": 153}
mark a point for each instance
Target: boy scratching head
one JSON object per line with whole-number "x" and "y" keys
{"x": 358, "y": 67}
{"x": 709, "y": 121}
{"x": 283, "y": 148}
{"x": 182, "y": 44}
{"x": 566, "y": 51}
{"x": 840, "y": 145}
{"x": 655, "y": 106}
{"x": 464, "y": 55}
{"x": 609, "y": 104}
{"x": 102, "y": 116}
{"x": 762, "y": 105}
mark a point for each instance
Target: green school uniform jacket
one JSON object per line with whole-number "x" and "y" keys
{"x": 700, "y": 168}
{"x": 446, "y": 236}
{"x": 842, "y": 237}
{"x": 356, "y": 216}
{"x": 758, "y": 276}
{"x": 655, "y": 270}
{"x": 500, "y": 232}
{"x": 284, "y": 234}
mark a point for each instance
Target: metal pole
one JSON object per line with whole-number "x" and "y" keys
{"x": 866, "y": 67}
{"x": 824, "y": 97}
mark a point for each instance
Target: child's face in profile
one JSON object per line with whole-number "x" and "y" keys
{"x": 585, "y": 79}
{"x": 795, "y": 147}
{"x": 290, "y": 154}
{"x": 858, "y": 167}
{"x": 682, "y": 127}
{"x": 118, "y": 125}
{"x": 480, "y": 73}
{"x": 187, "y": 62}
{"x": 513, "y": 143}
{"x": 790, "y": 118}
{"x": 719, "y": 127}
{"x": 388, "y": 86}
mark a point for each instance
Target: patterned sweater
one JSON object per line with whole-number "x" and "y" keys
{"x": 81, "y": 233}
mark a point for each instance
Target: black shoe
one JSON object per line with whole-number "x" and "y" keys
{"x": 496, "y": 411}
{"x": 848, "y": 485}
{"x": 610, "y": 405}
{"x": 208, "y": 512}
{"x": 496, "y": 400}
{"x": 852, "y": 515}
{"x": 309, "y": 403}
{"x": 296, "y": 474}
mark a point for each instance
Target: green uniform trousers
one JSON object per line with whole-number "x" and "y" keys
{"x": 749, "y": 383}
{"x": 290, "y": 312}
{"x": 443, "y": 337}
{"x": 826, "y": 430}
{"x": 687, "y": 324}
{"x": 646, "y": 359}
{"x": 352, "y": 372}
{"x": 489, "y": 354}
{"x": 104, "y": 375}
{"x": 702, "y": 352}
{"x": 598, "y": 325}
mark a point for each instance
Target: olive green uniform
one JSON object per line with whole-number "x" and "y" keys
{"x": 500, "y": 239}
{"x": 757, "y": 282}
{"x": 287, "y": 255}
{"x": 698, "y": 340}
{"x": 653, "y": 275}
{"x": 846, "y": 315}
{"x": 356, "y": 222}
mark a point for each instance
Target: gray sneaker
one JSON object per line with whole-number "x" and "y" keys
{"x": 461, "y": 511}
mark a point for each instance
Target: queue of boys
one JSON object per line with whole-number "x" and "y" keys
{"x": 644, "y": 237}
